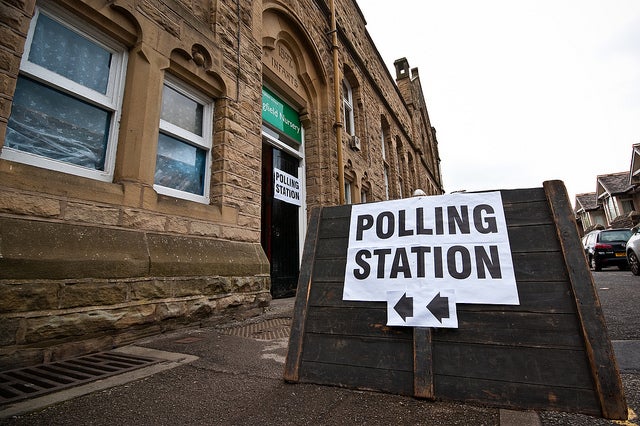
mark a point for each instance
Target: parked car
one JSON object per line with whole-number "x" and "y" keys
{"x": 633, "y": 251}
{"x": 607, "y": 247}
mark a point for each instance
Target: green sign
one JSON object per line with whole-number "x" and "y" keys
{"x": 281, "y": 115}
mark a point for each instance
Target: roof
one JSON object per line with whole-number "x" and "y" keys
{"x": 586, "y": 201}
{"x": 613, "y": 184}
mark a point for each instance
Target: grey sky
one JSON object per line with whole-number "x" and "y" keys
{"x": 521, "y": 91}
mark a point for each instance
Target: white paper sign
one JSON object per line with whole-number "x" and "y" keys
{"x": 453, "y": 242}
{"x": 286, "y": 187}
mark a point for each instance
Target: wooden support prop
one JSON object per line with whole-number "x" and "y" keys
{"x": 602, "y": 361}
{"x": 550, "y": 352}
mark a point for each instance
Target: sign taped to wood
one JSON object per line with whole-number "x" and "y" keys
{"x": 543, "y": 345}
{"x": 455, "y": 243}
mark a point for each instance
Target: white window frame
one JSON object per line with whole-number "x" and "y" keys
{"x": 347, "y": 108}
{"x": 204, "y": 142}
{"x": 111, "y": 100}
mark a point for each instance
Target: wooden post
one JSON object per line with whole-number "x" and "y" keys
{"x": 598, "y": 346}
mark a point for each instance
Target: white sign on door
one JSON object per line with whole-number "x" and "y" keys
{"x": 286, "y": 187}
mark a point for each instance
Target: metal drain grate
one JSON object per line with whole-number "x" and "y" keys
{"x": 30, "y": 382}
{"x": 271, "y": 329}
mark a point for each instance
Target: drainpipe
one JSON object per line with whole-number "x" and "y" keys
{"x": 336, "y": 94}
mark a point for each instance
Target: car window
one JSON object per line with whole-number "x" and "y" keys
{"x": 622, "y": 235}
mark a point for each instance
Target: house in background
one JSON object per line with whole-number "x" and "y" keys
{"x": 634, "y": 175}
{"x": 613, "y": 193}
{"x": 589, "y": 214}
{"x": 616, "y": 200}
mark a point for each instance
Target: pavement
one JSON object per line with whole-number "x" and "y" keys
{"x": 232, "y": 375}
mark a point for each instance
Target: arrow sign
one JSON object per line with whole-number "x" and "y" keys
{"x": 422, "y": 307}
{"x": 439, "y": 307}
{"x": 404, "y": 307}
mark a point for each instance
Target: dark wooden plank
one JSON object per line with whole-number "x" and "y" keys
{"x": 540, "y": 366}
{"x": 336, "y": 212}
{"x": 332, "y": 248}
{"x": 598, "y": 346}
{"x": 329, "y": 293}
{"x": 334, "y": 227}
{"x": 526, "y": 195}
{"x": 535, "y": 296}
{"x": 329, "y": 269}
{"x": 296, "y": 336}
{"x": 539, "y": 266}
{"x": 422, "y": 363}
{"x": 531, "y": 213}
{"x": 533, "y": 238}
{"x": 560, "y": 331}
{"x": 517, "y": 395}
{"x": 356, "y": 321}
{"x": 371, "y": 352}
{"x": 358, "y": 377}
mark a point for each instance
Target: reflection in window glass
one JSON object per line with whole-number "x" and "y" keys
{"x": 180, "y": 166}
{"x": 182, "y": 111}
{"x": 70, "y": 55}
{"x": 51, "y": 124}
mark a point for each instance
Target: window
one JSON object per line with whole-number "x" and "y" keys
{"x": 386, "y": 182}
{"x": 183, "y": 160}
{"x": 347, "y": 108}
{"x": 627, "y": 205}
{"x": 66, "y": 105}
{"x": 363, "y": 195}
{"x": 347, "y": 192}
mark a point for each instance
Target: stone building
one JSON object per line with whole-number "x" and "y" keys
{"x": 158, "y": 159}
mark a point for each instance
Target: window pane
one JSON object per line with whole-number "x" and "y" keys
{"x": 182, "y": 111}
{"x": 52, "y": 124}
{"x": 180, "y": 166}
{"x": 70, "y": 55}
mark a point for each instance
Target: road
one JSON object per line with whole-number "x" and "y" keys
{"x": 619, "y": 293}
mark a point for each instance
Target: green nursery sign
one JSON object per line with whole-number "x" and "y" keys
{"x": 280, "y": 115}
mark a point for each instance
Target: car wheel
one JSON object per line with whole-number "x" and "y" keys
{"x": 634, "y": 263}
{"x": 595, "y": 265}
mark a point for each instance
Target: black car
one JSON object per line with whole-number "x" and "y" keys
{"x": 607, "y": 248}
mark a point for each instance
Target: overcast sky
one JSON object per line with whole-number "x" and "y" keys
{"x": 521, "y": 91}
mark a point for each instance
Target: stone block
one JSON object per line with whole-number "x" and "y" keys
{"x": 92, "y": 294}
{"x": 169, "y": 310}
{"x": 150, "y": 289}
{"x": 79, "y": 212}
{"x": 202, "y": 286}
{"x": 206, "y": 229}
{"x": 177, "y": 225}
{"x": 8, "y": 331}
{"x": 68, "y": 327}
{"x": 251, "y": 284}
{"x": 173, "y": 255}
{"x": 17, "y": 357}
{"x": 142, "y": 220}
{"x": 78, "y": 348}
{"x": 53, "y": 250}
{"x": 28, "y": 296}
{"x": 136, "y": 316}
{"x": 25, "y": 204}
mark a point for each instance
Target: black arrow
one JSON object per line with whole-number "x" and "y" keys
{"x": 439, "y": 307}
{"x": 404, "y": 307}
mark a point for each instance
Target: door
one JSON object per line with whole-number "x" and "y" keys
{"x": 280, "y": 233}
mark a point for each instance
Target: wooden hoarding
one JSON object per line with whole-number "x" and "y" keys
{"x": 550, "y": 352}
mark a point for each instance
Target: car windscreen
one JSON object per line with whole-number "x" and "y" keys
{"x": 622, "y": 235}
